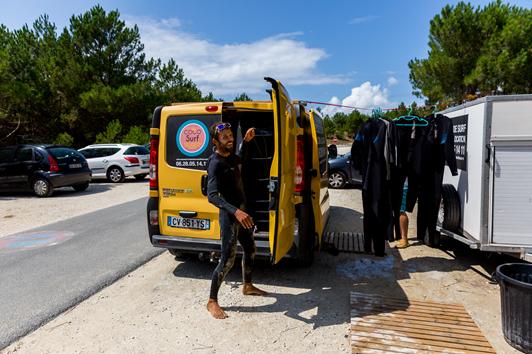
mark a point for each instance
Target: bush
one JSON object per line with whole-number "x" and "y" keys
{"x": 64, "y": 139}
{"x": 111, "y": 133}
{"x": 137, "y": 135}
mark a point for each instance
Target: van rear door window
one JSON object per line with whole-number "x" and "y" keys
{"x": 322, "y": 143}
{"x": 188, "y": 142}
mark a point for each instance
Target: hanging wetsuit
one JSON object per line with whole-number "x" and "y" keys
{"x": 437, "y": 150}
{"x": 408, "y": 141}
{"x": 370, "y": 155}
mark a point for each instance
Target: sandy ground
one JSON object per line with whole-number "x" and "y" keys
{"x": 23, "y": 211}
{"x": 160, "y": 307}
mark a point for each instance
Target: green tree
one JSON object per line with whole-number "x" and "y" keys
{"x": 475, "y": 51}
{"x": 64, "y": 139}
{"x": 111, "y": 133}
{"x": 243, "y": 97}
{"x": 173, "y": 86}
{"x": 137, "y": 135}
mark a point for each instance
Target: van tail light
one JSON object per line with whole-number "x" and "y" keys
{"x": 154, "y": 148}
{"x": 132, "y": 159}
{"x": 154, "y": 217}
{"x": 54, "y": 167}
{"x": 299, "y": 175}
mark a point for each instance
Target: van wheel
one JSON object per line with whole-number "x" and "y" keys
{"x": 449, "y": 212}
{"x": 42, "y": 188}
{"x": 115, "y": 174}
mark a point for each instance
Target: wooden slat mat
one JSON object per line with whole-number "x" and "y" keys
{"x": 345, "y": 241}
{"x": 388, "y": 325}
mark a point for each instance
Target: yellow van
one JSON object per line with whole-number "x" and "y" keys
{"x": 285, "y": 178}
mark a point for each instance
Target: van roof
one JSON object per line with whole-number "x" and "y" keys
{"x": 250, "y": 105}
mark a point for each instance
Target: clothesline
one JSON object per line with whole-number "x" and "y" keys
{"x": 344, "y": 106}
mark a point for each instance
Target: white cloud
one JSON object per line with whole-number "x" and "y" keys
{"x": 365, "y": 96}
{"x": 238, "y": 67}
{"x": 392, "y": 81}
{"x": 363, "y": 19}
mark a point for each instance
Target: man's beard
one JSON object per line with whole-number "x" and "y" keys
{"x": 224, "y": 149}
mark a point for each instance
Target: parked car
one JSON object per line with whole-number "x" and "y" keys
{"x": 117, "y": 161}
{"x": 42, "y": 168}
{"x": 341, "y": 172}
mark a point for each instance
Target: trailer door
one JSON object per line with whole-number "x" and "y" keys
{"x": 512, "y": 195}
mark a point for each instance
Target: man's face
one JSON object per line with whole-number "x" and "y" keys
{"x": 225, "y": 140}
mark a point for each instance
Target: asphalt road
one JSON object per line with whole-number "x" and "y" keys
{"x": 91, "y": 252}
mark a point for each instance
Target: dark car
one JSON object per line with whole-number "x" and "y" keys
{"x": 341, "y": 172}
{"x": 42, "y": 168}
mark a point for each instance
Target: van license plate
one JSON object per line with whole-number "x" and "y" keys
{"x": 74, "y": 165}
{"x": 186, "y": 223}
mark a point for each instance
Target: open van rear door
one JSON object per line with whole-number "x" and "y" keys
{"x": 281, "y": 186}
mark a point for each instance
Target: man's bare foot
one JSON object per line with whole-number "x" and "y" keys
{"x": 215, "y": 309}
{"x": 249, "y": 289}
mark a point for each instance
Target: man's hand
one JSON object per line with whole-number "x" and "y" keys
{"x": 250, "y": 134}
{"x": 244, "y": 219}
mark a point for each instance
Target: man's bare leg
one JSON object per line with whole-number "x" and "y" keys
{"x": 215, "y": 309}
{"x": 250, "y": 289}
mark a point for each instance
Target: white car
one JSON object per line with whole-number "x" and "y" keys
{"x": 117, "y": 161}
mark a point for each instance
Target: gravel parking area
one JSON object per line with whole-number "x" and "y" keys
{"x": 24, "y": 211}
{"x": 160, "y": 307}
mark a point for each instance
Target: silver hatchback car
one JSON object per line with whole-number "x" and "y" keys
{"x": 115, "y": 162}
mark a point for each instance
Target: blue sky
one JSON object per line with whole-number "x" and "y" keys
{"x": 351, "y": 52}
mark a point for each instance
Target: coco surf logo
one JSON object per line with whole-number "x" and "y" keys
{"x": 192, "y": 138}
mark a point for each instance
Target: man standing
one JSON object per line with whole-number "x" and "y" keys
{"x": 225, "y": 190}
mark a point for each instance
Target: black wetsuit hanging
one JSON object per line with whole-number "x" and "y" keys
{"x": 370, "y": 155}
{"x": 408, "y": 143}
{"x": 437, "y": 150}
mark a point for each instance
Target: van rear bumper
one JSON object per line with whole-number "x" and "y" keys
{"x": 192, "y": 244}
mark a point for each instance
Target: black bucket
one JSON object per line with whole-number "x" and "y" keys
{"x": 515, "y": 281}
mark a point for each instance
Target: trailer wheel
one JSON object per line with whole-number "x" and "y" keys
{"x": 449, "y": 213}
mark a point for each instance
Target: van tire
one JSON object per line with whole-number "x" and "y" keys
{"x": 449, "y": 211}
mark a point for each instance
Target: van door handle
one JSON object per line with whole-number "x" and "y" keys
{"x": 188, "y": 214}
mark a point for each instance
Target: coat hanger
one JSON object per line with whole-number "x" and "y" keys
{"x": 376, "y": 113}
{"x": 411, "y": 120}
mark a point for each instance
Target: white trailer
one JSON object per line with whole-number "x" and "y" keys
{"x": 493, "y": 145}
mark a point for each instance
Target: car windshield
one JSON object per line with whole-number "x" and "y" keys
{"x": 61, "y": 153}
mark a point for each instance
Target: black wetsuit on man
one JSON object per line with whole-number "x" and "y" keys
{"x": 225, "y": 190}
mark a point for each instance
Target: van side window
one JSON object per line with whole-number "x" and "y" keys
{"x": 322, "y": 143}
